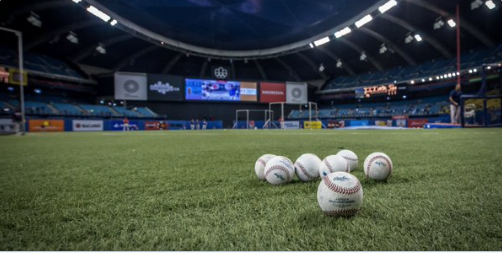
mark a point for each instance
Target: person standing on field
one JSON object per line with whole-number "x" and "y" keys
{"x": 126, "y": 124}
{"x": 455, "y": 104}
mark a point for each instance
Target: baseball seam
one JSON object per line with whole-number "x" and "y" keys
{"x": 328, "y": 165}
{"x": 262, "y": 162}
{"x": 350, "y": 159}
{"x": 344, "y": 212}
{"x": 367, "y": 169}
{"x": 281, "y": 168}
{"x": 340, "y": 189}
{"x": 304, "y": 171}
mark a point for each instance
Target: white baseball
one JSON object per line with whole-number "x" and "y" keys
{"x": 378, "y": 166}
{"x": 307, "y": 167}
{"x": 351, "y": 158}
{"x": 333, "y": 163}
{"x": 279, "y": 170}
{"x": 340, "y": 194}
{"x": 259, "y": 166}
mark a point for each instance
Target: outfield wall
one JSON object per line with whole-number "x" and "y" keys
{"x": 79, "y": 125}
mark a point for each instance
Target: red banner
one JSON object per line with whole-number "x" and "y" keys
{"x": 152, "y": 125}
{"x": 413, "y": 123}
{"x": 272, "y": 92}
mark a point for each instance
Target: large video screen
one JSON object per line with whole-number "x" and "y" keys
{"x": 219, "y": 90}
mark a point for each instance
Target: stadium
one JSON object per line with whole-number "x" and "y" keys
{"x": 136, "y": 125}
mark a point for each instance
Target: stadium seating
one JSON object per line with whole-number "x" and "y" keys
{"x": 38, "y": 63}
{"x": 426, "y": 70}
{"x": 422, "y": 107}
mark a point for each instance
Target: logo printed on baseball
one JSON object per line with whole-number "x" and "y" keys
{"x": 279, "y": 170}
{"x": 340, "y": 194}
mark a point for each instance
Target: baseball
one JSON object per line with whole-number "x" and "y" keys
{"x": 333, "y": 163}
{"x": 259, "y": 166}
{"x": 378, "y": 166}
{"x": 279, "y": 170}
{"x": 351, "y": 158}
{"x": 340, "y": 194}
{"x": 307, "y": 167}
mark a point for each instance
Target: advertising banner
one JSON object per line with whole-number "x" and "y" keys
{"x": 414, "y": 123}
{"x": 87, "y": 125}
{"x": 41, "y": 125}
{"x": 290, "y": 125}
{"x": 6, "y": 126}
{"x": 272, "y": 92}
{"x": 296, "y": 93}
{"x": 118, "y": 125}
{"x": 248, "y": 92}
{"x": 165, "y": 88}
{"x": 312, "y": 124}
{"x": 130, "y": 86}
{"x": 152, "y": 125}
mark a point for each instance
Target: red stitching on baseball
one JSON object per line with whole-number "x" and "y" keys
{"x": 328, "y": 165}
{"x": 367, "y": 169}
{"x": 340, "y": 189}
{"x": 304, "y": 171}
{"x": 262, "y": 162}
{"x": 350, "y": 159}
{"x": 281, "y": 168}
{"x": 342, "y": 212}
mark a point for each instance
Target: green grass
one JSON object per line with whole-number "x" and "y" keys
{"x": 187, "y": 190}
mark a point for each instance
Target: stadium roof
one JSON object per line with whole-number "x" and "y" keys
{"x": 258, "y": 39}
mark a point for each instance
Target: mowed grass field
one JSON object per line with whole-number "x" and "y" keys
{"x": 197, "y": 190}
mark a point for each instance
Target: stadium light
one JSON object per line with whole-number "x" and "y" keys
{"x": 430, "y": 79}
{"x": 98, "y": 13}
{"x": 363, "y": 56}
{"x": 383, "y": 49}
{"x": 423, "y": 80}
{"x": 490, "y": 4}
{"x": 470, "y": 71}
{"x": 476, "y": 4}
{"x": 343, "y": 32}
{"x": 412, "y": 82}
{"x": 72, "y": 37}
{"x": 449, "y": 75}
{"x": 475, "y": 70}
{"x": 321, "y": 41}
{"x": 408, "y": 39}
{"x": 338, "y": 63}
{"x": 321, "y": 67}
{"x": 489, "y": 67}
{"x": 311, "y": 45}
{"x": 438, "y": 24}
{"x": 77, "y": 1}
{"x": 34, "y": 19}
{"x": 101, "y": 49}
{"x": 418, "y": 37}
{"x": 366, "y": 19}
{"x": 451, "y": 23}
{"x": 114, "y": 22}
{"x": 387, "y": 6}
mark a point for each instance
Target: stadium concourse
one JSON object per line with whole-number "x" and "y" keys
{"x": 187, "y": 77}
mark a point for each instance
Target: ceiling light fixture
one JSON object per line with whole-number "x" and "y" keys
{"x": 98, "y": 13}
{"x": 387, "y": 6}
{"x": 342, "y": 32}
{"x": 366, "y": 19}
{"x": 321, "y": 41}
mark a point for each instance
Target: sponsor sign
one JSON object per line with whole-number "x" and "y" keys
{"x": 165, "y": 88}
{"x": 336, "y": 124}
{"x": 118, "y": 125}
{"x": 41, "y": 125}
{"x": 130, "y": 86}
{"x": 290, "y": 125}
{"x": 296, "y": 93}
{"x": 87, "y": 125}
{"x": 417, "y": 123}
{"x": 248, "y": 92}
{"x": 312, "y": 124}
{"x": 15, "y": 76}
{"x": 381, "y": 123}
{"x": 6, "y": 126}
{"x": 152, "y": 125}
{"x": 272, "y": 92}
